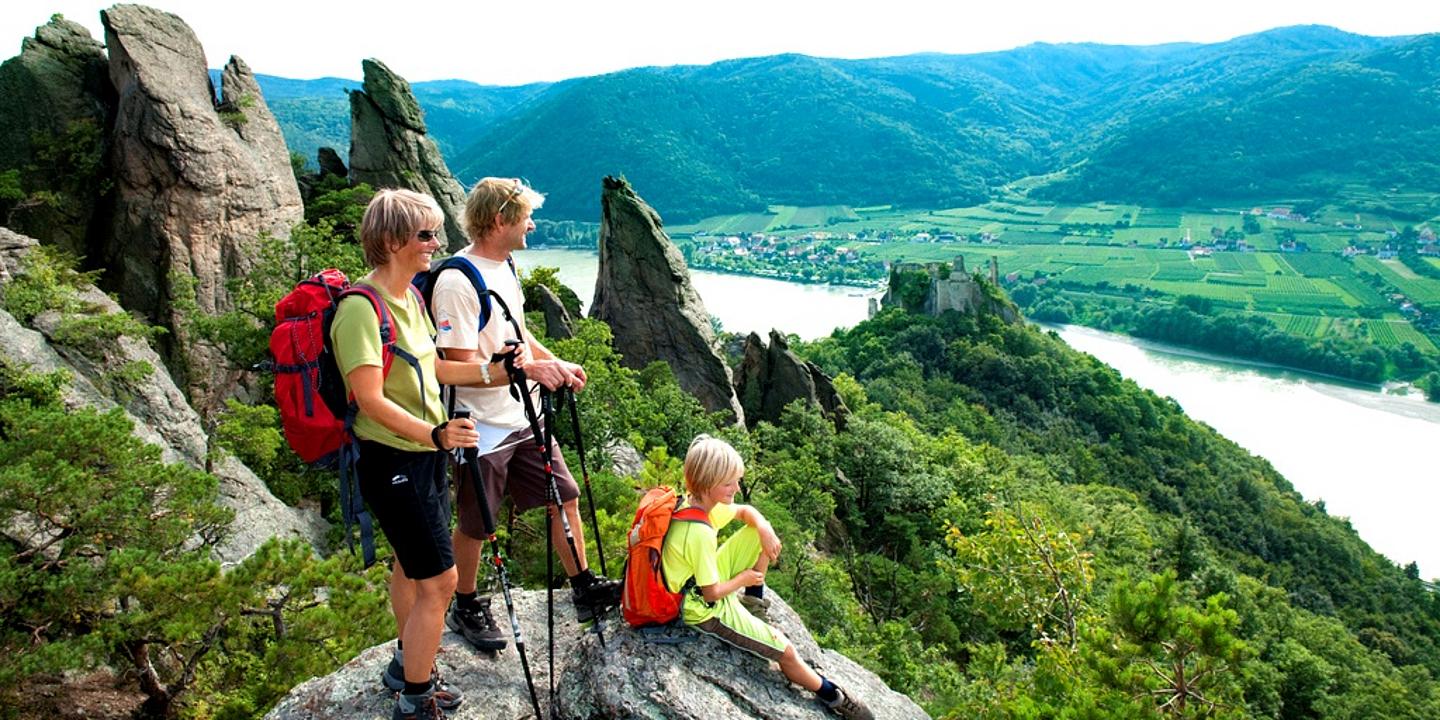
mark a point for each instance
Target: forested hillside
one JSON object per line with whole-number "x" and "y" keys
{"x": 1368, "y": 121}
{"x": 316, "y": 113}
{"x": 1295, "y": 111}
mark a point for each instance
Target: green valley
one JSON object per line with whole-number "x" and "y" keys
{"x": 1353, "y": 280}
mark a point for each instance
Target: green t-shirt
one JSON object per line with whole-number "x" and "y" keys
{"x": 355, "y": 335}
{"x": 689, "y": 551}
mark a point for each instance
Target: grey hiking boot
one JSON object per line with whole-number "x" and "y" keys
{"x": 600, "y": 595}
{"x": 447, "y": 697}
{"x": 425, "y": 707}
{"x": 476, "y": 625}
{"x": 849, "y": 707}
{"x": 758, "y": 606}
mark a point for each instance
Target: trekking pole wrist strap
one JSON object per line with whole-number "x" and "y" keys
{"x": 435, "y": 434}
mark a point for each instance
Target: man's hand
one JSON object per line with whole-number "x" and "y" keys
{"x": 577, "y": 375}
{"x": 552, "y": 374}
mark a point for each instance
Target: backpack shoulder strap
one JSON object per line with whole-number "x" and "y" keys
{"x": 477, "y": 281}
{"x": 691, "y": 514}
{"x": 382, "y": 311}
{"x": 420, "y": 298}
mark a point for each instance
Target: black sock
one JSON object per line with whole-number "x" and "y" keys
{"x": 582, "y": 579}
{"x": 417, "y": 689}
{"x": 828, "y": 691}
{"x": 399, "y": 644}
{"x": 468, "y": 601}
{"x": 755, "y": 591}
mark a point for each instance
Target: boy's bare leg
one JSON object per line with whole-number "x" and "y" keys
{"x": 797, "y": 671}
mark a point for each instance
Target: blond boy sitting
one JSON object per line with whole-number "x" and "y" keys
{"x": 710, "y": 577}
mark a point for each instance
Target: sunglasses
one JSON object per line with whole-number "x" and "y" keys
{"x": 514, "y": 193}
{"x": 428, "y": 235}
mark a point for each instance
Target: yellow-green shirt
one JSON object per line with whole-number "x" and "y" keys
{"x": 689, "y": 551}
{"x": 355, "y": 335}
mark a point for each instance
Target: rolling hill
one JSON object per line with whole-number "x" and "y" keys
{"x": 1303, "y": 111}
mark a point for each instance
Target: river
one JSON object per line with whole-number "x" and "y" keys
{"x": 742, "y": 303}
{"x": 1368, "y": 455}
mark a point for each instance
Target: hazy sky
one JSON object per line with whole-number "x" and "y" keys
{"x": 510, "y": 42}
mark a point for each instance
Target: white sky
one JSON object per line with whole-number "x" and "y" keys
{"x": 509, "y": 42}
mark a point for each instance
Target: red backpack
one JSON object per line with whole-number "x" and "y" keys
{"x": 308, "y": 389}
{"x": 647, "y": 600}
{"x": 296, "y": 344}
{"x": 315, "y": 410}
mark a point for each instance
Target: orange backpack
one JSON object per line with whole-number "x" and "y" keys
{"x": 647, "y": 600}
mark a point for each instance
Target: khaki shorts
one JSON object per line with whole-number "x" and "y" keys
{"x": 518, "y": 471}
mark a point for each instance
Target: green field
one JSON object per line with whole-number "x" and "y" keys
{"x": 1104, "y": 248}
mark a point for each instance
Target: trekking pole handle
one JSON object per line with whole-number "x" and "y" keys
{"x": 507, "y": 356}
{"x": 459, "y": 414}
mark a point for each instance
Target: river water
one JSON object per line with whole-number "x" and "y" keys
{"x": 741, "y": 302}
{"x": 1369, "y": 456}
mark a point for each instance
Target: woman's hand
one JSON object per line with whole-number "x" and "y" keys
{"x": 459, "y": 433}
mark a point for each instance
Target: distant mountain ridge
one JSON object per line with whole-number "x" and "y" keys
{"x": 1132, "y": 123}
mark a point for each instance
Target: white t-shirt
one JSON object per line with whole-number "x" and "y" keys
{"x": 457, "y": 313}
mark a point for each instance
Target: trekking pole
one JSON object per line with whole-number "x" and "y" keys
{"x": 519, "y": 385}
{"x": 569, "y": 393}
{"x": 469, "y": 460}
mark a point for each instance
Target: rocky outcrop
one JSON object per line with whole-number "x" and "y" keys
{"x": 54, "y": 130}
{"x": 558, "y": 323}
{"x": 330, "y": 163}
{"x": 700, "y": 677}
{"x": 771, "y": 378}
{"x": 644, "y": 293}
{"x": 933, "y": 288}
{"x": 154, "y": 404}
{"x": 197, "y": 183}
{"x": 389, "y": 147}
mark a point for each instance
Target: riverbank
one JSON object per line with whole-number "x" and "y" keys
{"x": 797, "y": 279}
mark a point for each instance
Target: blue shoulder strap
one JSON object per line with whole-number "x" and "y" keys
{"x": 477, "y": 281}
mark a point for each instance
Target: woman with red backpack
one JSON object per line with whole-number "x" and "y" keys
{"x": 403, "y": 435}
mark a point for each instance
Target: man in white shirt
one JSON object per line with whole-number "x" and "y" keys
{"x": 497, "y": 218}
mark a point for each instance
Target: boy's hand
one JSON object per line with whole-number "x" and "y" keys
{"x": 769, "y": 542}
{"x": 750, "y": 578}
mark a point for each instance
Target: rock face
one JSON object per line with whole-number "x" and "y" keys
{"x": 54, "y": 128}
{"x": 196, "y": 182}
{"x": 330, "y": 163}
{"x": 389, "y": 147}
{"x": 700, "y": 677}
{"x": 156, "y": 407}
{"x": 558, "y": 323}
{"x": 643, "y": 291}
{"x": 950, "y": 288}
{"x": 769, "y": 379}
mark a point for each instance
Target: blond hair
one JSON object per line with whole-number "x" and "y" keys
{"x": 392, "y": 218}
{"x": 709, "y": 462}
{"x": 509, "y": 198}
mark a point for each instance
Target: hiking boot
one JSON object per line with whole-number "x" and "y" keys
{"x": 849, "y": 707}
{"x": 758, "y": 606}
{"x": 600, "y": 595}
{"x": 476, "y": 625}
{"x": 426, "y": 709}
{"x": 446, "y": 695}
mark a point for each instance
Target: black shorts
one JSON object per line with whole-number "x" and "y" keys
{"x": 407, "y": 494}
{"x": 517, "y": 471}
